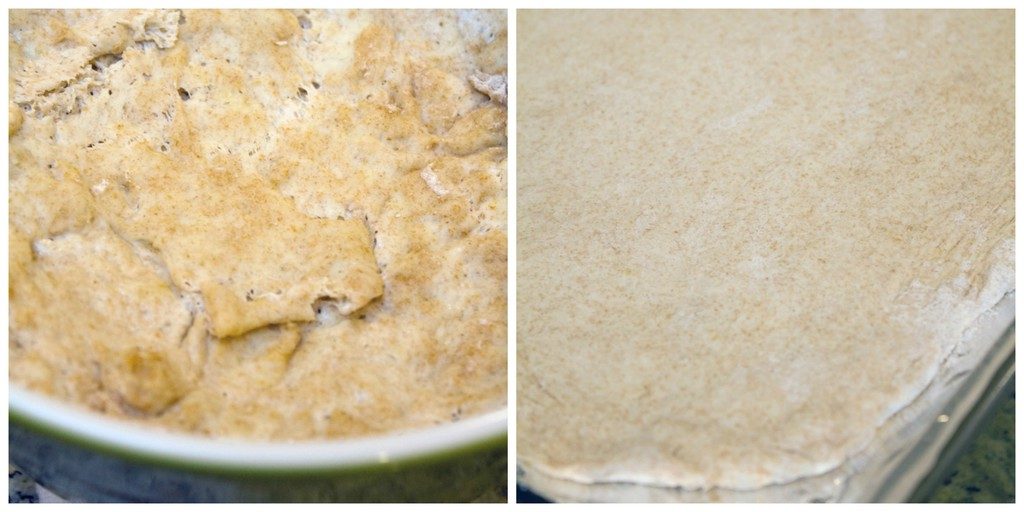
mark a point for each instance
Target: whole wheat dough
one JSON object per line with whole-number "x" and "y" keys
{"x": 263, "y": 224}
{"x": 746, "y": 239}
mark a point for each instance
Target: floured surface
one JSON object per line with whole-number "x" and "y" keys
{"x": 230, "y": 223}
{"x": 755, "y": 247}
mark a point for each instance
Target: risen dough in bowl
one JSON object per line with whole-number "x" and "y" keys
{"x": 263, "y": 224}
{"x": 747, "y": 239}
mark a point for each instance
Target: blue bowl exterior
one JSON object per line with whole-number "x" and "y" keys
{"x": 78, "y": 470}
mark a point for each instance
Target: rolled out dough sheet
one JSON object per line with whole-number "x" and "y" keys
{"x": 747, "y": 239}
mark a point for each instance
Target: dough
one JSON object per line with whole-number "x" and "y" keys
{"x": 262, "y": 224}
{"x": 746, "y": 239}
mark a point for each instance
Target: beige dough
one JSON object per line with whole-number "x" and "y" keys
{"x": 746, "y": 239}
{"x": 263, "y": 224}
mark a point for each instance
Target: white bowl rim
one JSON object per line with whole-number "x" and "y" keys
{"x": 94, "y": 429}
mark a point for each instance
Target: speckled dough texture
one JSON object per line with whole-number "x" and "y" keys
{"x": 747, "y": 239}
{"x": 260, "y": 224}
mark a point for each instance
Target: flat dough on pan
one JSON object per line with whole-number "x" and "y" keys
{"x": 747, "y": 239}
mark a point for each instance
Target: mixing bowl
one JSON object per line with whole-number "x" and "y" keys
{"x": 84, "y": 456}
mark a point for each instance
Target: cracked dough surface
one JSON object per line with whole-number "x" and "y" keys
{"x": 272, "y": 224}
{"x": 748, "y": 238}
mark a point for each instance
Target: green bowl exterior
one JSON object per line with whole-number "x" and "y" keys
{"x": 82, "y": 469}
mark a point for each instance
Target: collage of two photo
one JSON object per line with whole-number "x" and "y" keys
{"x": 511, "y": 255}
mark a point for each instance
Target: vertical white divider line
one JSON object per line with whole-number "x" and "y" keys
{"x": 512, "y": 193}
